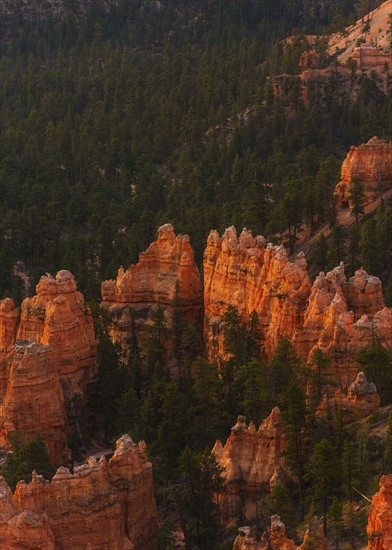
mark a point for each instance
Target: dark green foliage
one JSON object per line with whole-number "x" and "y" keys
{"x": 32, "y": 455}
{"x": 201, "y": 480}
{"x": 323, "y": 472}
{"x": 388, "y": 448}
{"x": 376, "y": 362}
{"x": 284, "y": 365}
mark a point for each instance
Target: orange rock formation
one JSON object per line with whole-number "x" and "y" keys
{"x": 379, "y": 527}
{"x": 33, "y": 400}
{"x": 361, "y": 400}
{"x": 337, "y": 315}
{"x": 101, "y": 506}
{"x": 47, "y": 353}
{"x": 58, "y": 316}
{"x": 166, "y": 275}
{"x": 371, "y": 165}
{"x": 251, "y": 458}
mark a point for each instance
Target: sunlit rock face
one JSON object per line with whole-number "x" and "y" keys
{"x": 371, "y": 165}
{"x": 102, "y": 505}
{"x": 251, "y": 275}
{"x": 59, "y": 317}
{"x": 33, "y": 401}
{"x": 166, "y": 275}
{"x": 379, "y": 527}
{"x": 336, "y": 314}
{"x": 251, "y": 459}
{"x": 47, "y": 355}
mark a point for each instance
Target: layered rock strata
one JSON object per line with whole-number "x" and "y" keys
{"x": 166, "y": 275}
{"x": 379, "y": 527}
{"x": 251, "y": 459}
{"x": 370, "y": 164}
{"x": 335, "y": 314}
{"x": 33, "y": 400}
{"x": 47, "y": 354}
{"x": 104, "y": 505}
{"x": 58, "y": 316}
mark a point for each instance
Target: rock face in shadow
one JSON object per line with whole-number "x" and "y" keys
{"x": 335, "y": 314}
{"x": 104, "y": 505}
{"x": 166, "y": 275}
{"x": 371, "y": 165}
{"x": 47, "y": 355}
{"x": 251, "y": 458}
{"x": 379, "y": 527}
{"x": 361, "y": 401}
{"x": 275, "y": 538}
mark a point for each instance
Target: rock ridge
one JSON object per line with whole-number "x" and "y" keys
{"x": 102, "y": 505}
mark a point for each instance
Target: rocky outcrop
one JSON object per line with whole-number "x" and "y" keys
{"x": 250, "y": 458}
{"x": 249, "y": 274}
{"x": 360, "y": 401}
{"x": 379, "y": 527}
{"x": 314, "y": 538}
{"x": 33, "y": 400}
{"x": 335, "y": 314}
{"x": 166, "y": 275}
{"x": 274, "y": 539}
{"x": 104, "y": 505}
{"x": 58, "y": 316}
{"x": 371, "y": 165}
{"x": 47, "y": 354}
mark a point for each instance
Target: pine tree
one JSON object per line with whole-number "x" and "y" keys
{"x": 356, "y": 198}
{"x": 387, "y": 468}
{"x": 376, "y": 362}
{"x": 33, "y": 455}
{"x": 323, "y": 475}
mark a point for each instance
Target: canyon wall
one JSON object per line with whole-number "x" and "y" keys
{"x": 371, "y": 165}
{"x": 165, "y": 275}
{"x": 251, "y": 458}
{"x": 104, "y": 505}
{"x": 47, "y": 354}
{"x": 335, "y": 314}
{"x": 379, "y": 527}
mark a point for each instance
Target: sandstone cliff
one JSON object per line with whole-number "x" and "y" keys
{"x": 379, "y": 527}
{"x": 371, "y": 165}
{"x": 47, "y": 354}
{"x": 335, "y": 314}
{"x": 33, "y": 400}
{"x": 251, "y": 458}
{"x": 105, "y": 505}
{"x": 58, "y": 316}
{"x": 166, "y": 275}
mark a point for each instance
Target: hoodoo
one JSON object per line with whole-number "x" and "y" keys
{"x": 102, "y": 505}
{"x": 370, "y": 164}
{"x": 47, "y": 354}
{"x": 250, "y": 458}
{"x": 166, "y": 276}
{"x": 336, "y": 314}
